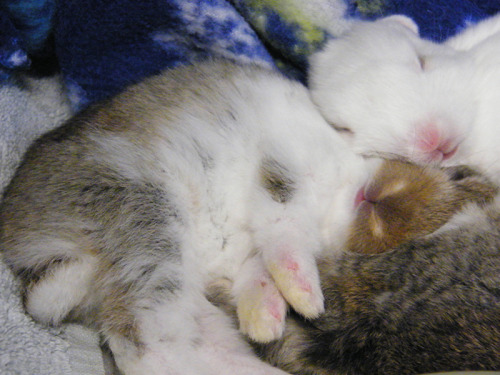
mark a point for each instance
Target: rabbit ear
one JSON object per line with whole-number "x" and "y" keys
{"x": 460, "y": 172}
{"x": 405, "y": 21}
{"x": 471, "y": 184}
{"x": 474, "y": 34}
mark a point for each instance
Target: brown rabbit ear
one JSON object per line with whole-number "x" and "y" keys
{"x": 471, "y": 184}
{"x": 460, "y": 172}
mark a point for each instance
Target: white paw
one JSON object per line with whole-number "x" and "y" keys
{"x": 262, "y": 310}
{"x": 297, "y": 279}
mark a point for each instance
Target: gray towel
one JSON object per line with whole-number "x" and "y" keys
{"x": 28, "y": 108}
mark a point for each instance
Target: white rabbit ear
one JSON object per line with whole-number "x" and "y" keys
{"x": 405, "y": 21}
{"x": 475, "y": 34}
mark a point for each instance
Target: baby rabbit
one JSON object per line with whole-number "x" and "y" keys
{"x": 430, "y": 304}
{"x": 120, "y": 217}
{"x": 404, "y": 201}
{"x": 481, "y": 44}
{"x": 394, "y": 93}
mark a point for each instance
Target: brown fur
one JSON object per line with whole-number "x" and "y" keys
{"x": 404, "y": 201}
{"x": 275, "y": 180}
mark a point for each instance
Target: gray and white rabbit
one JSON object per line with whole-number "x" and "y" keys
{"x": 121, "y": 216}
{"x": 429, "y": 304}
{"x": 396, "y": 93}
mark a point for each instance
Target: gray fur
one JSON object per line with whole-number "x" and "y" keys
{"x": 430, "y": 305}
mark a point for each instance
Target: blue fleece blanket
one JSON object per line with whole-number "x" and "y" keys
{"x": 103, "y": 45}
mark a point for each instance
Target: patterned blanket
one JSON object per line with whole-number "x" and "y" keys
{"x": 103, "y": 45}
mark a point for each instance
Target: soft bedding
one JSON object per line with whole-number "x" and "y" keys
{"x": 58, "y": 56}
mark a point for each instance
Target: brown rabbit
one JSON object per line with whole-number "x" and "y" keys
{"x": 403, "y": 201}
{"x": 430, "y": 304}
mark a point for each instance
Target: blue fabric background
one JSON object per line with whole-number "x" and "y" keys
{"x": 103, "y": 45}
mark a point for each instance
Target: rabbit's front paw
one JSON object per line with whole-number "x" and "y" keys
{"x": 296, "y": 277}
{"x": 261, "y": 310}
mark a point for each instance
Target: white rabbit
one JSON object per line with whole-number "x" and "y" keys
{"x": 474, "y": 34}
{"x": 394, "y": 92}
{"x": 481, "y": 44}
{"x": 120, "y": 217}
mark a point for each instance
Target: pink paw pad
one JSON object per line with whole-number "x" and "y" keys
{"x": 298, "y": 283}
{"x": 272, "y": 300}
{"x": 261, "y": 311}
{"x": 290, "y": 264}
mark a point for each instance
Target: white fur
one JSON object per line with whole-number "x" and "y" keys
{"x": 371, "y": 82}
{"x": 52, "y": 299}
{"x": 231, "y": 217}
{"x": 481, "y": 147}
{"x": 287, "y": 128}
{"x": 391, "y": 89}
{"x": 212, "y": 348}
{"x": 260, "y": 306}
{"x": 475, "y": 34}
